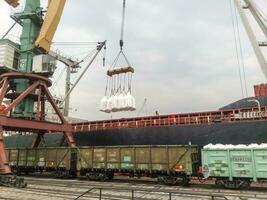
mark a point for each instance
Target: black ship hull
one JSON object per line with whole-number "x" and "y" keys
{"x": 224, "y": 133}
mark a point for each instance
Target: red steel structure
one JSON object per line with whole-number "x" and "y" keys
{"x": 38, "y": 89}
{"x": 260, "y": 90}
{"x": 224, "y": 116}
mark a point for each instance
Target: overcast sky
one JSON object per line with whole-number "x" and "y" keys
{"x": 183, "y": 53}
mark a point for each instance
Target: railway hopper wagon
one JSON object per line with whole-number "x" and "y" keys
{"x": 235, "y": 166}
{"x": 59, "y": 161}
{"x": 172, "y": 164}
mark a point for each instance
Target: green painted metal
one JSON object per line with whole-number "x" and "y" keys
{"x": 31, "y": 19}
{"x": 216, "y": 163}
{"x": 235, "y": 163}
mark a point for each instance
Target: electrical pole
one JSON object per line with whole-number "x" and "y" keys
{"x": 71, "y": 67}
{"x": 67, "y": 89}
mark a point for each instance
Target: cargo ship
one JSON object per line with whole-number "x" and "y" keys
{"x": 241, "y": 122}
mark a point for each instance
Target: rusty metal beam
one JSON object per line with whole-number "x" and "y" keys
{"x": 38, "y": 112}
{"x": 31, "y": 77}
{"x": 39, "y": 125}
{"x": 21, "y": 97}
{"x": 54, "y": 105}
{"x": 38, "y": 139}
{"x": 43, "y": 107}
{"x": 3, "y": 90}
{"x": 32, "y": 125}
{"x": 4, "y": 166}
{"x": 69, "y": 138}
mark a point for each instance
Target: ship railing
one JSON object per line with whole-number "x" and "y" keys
{"x": 176, "y": 120}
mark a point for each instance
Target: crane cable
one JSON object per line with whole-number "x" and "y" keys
{"x": 58, "y": 79}
{"x": 122, "y": 23}
{"x": 142, "y": 107}
{"x": 64, "y": 68}
{"x": 238, "y": 48}
{"x": 121, "y": 39}
{"x": 241, "y": 53}
{"x": 94, "y": 54}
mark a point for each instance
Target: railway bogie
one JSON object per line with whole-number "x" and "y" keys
{"x": 236, "y": 183}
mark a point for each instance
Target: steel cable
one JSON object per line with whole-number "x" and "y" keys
{"x": 241, "y": 53}
{"x": 236, "y": 47}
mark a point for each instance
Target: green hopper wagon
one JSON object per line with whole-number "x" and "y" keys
{"x": 235, "y": 166}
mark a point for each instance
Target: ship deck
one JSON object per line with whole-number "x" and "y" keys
{"x": 197, "y": 118}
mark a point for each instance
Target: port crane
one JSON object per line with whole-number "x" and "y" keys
{"x": 27, "y": 86}
{"x": 29, "y": 89}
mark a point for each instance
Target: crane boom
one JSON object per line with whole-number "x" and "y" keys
{"x": 249, "y": 30}
{"x": 50, "y": 24}
{"x": 257, "y": 15}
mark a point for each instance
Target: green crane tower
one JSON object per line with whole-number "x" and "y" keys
{"x": 31, "y": 19}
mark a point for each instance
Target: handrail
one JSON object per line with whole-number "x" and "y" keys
{"x": 132, "y": 191}
{"x": 85, "y": 193}
{"x": 175, "y": 119}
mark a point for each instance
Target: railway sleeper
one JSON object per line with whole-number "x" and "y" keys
{"x": 12, "y": 181}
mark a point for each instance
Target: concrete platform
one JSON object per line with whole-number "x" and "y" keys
{"x": 59, "y": 189}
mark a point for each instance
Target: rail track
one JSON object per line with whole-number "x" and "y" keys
{"x": 59, "y": 189}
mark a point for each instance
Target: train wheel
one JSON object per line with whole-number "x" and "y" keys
{"x": 160, "y": 180}
{"x": 110, "y": 175}
{"x": 245, "y": 184}
{"x": 170, "y": 180}
{"x": 102, "y": 177}
{"x": 182, "y": 180}
{"x": 219, "y": 183}
{"x": 91, "y": 176}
